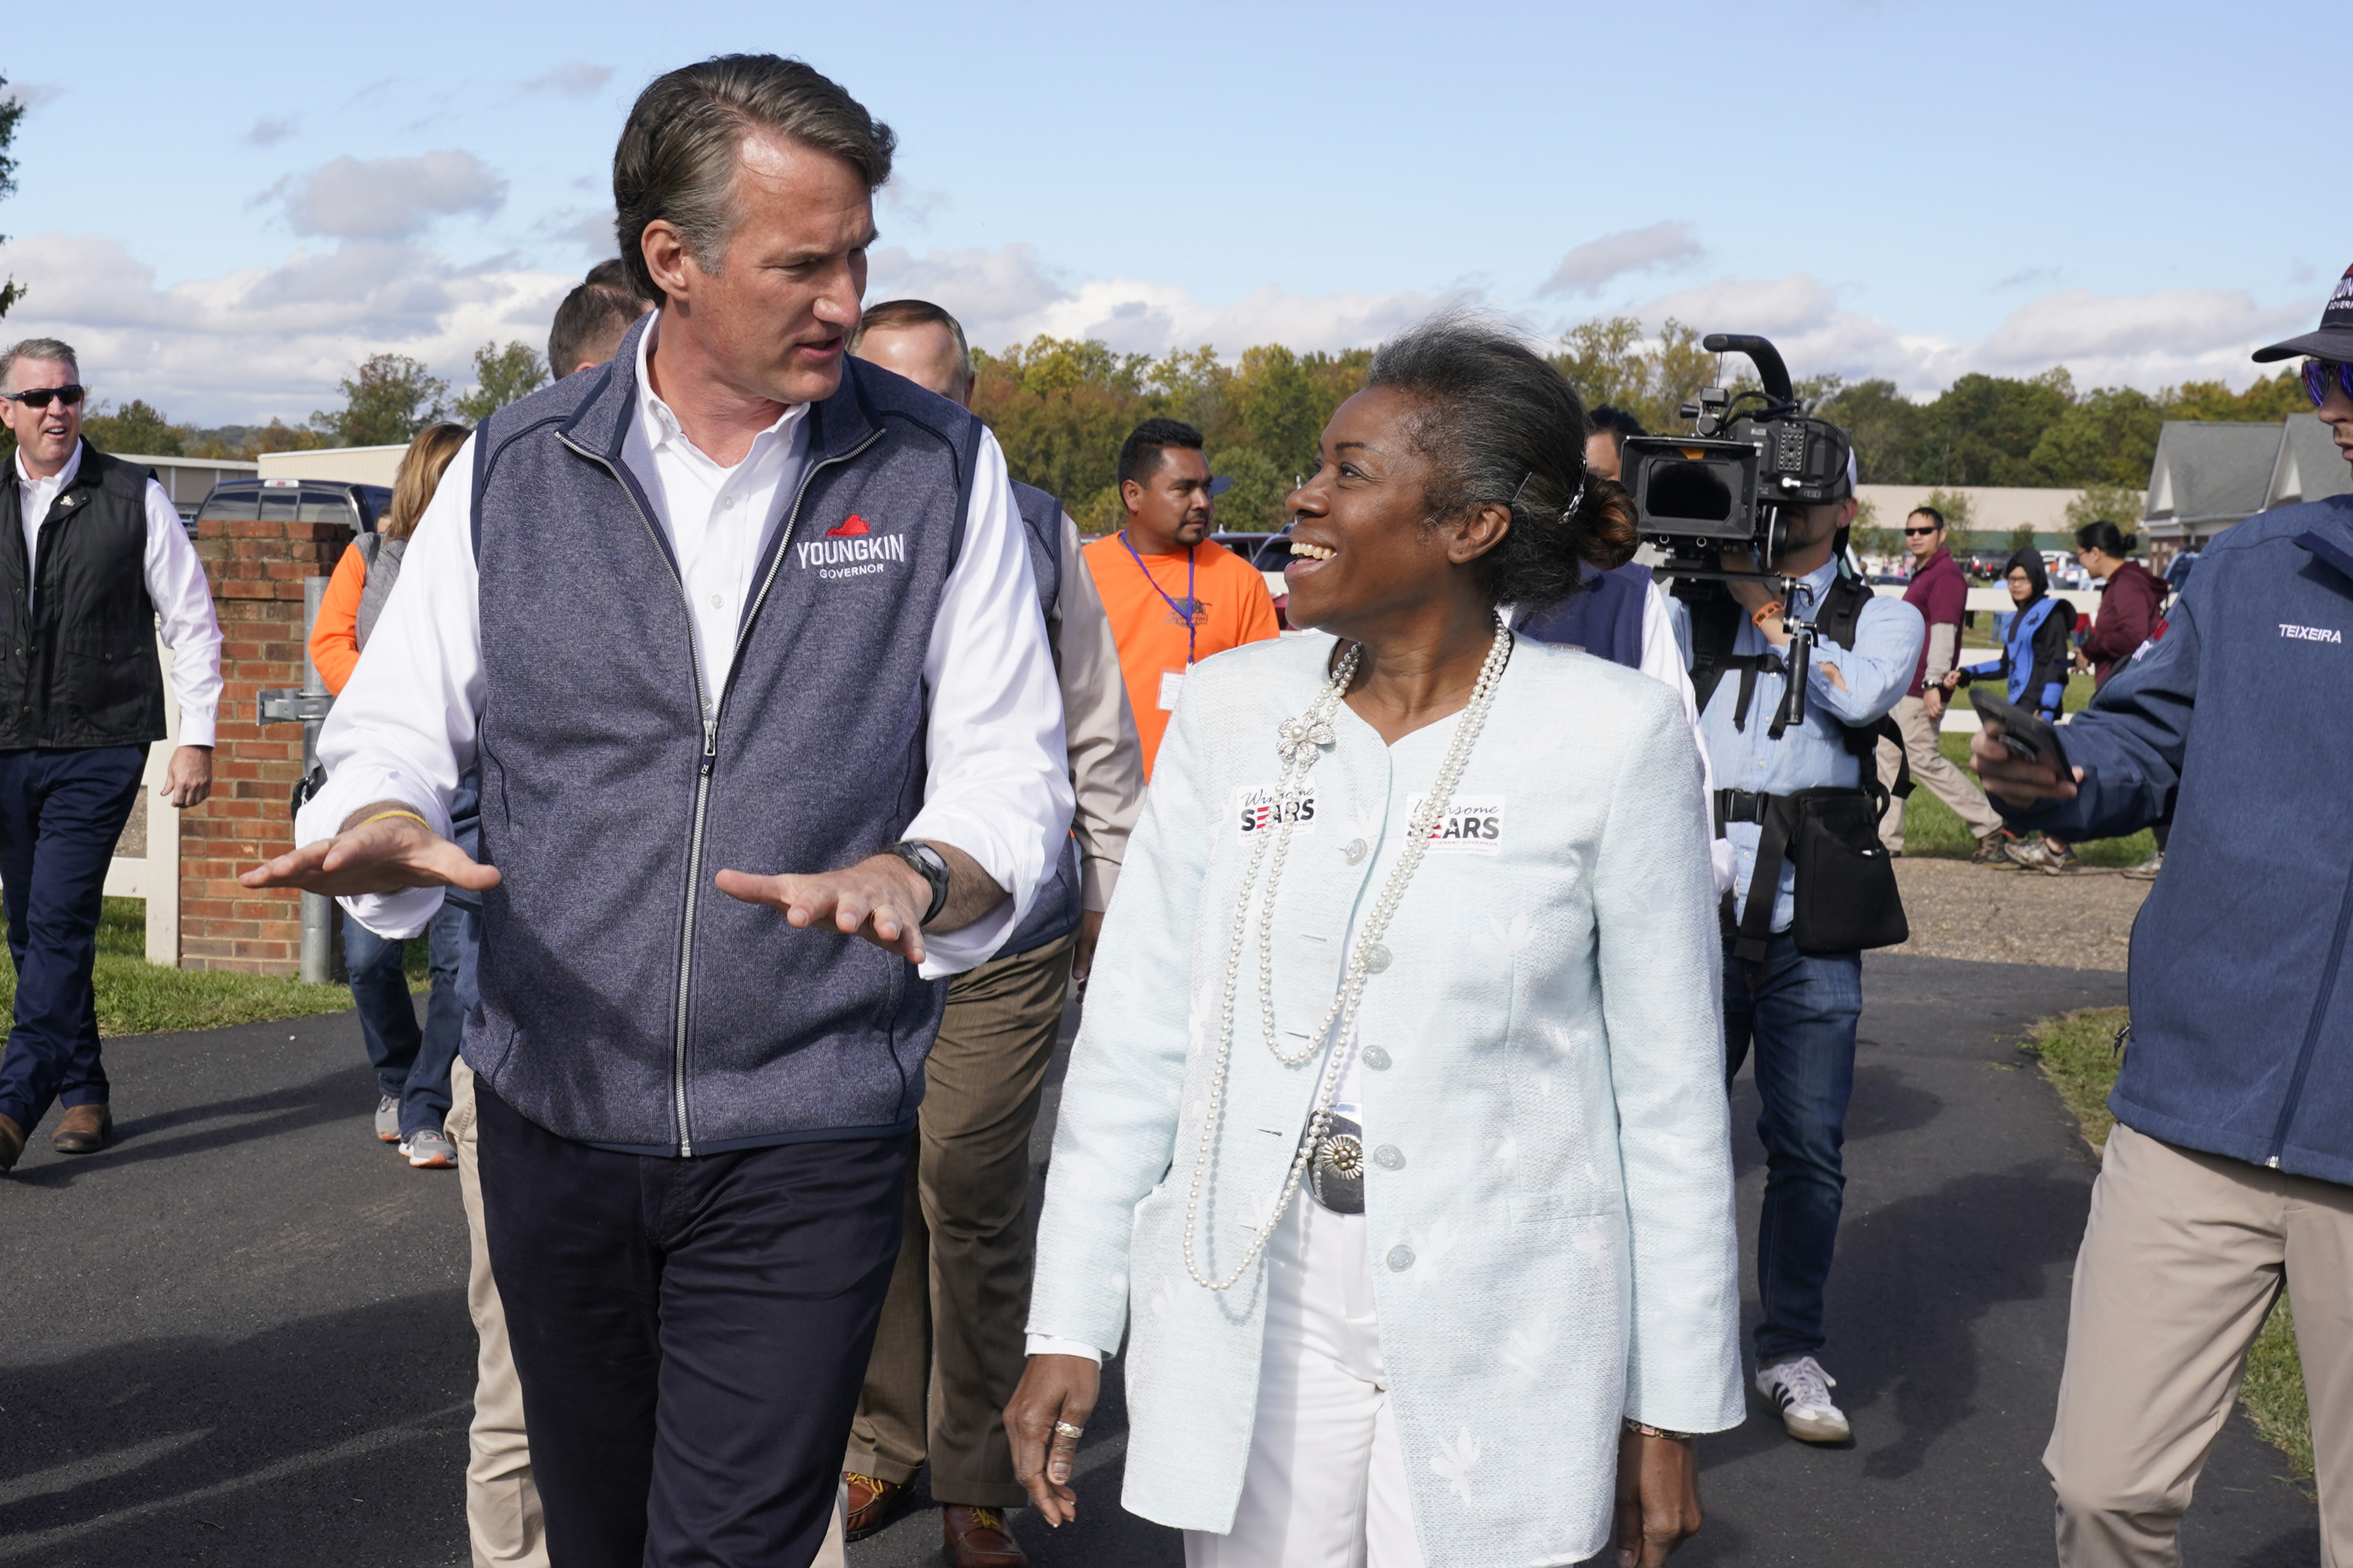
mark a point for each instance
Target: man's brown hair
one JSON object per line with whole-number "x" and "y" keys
{"x": 678, "y": 153}
{"x": 592, "y": 318}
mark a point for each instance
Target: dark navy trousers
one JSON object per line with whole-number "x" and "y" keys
{"x": 690, "y": 1335}
{"x": 61, "y": 814}
{"x": 1797, "y": 1013}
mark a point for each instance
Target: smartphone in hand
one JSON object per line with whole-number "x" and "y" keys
{"x": 2026, "y": 735}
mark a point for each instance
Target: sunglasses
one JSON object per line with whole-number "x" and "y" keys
{"x": 40, "y": 396}
{"x": 2315, "y": 378}
{"x": 1916, "y": 533}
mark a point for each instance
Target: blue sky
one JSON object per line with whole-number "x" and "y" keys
{"x": 224, "y": 213}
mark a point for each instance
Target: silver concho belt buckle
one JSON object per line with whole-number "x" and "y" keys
{"x": 1336, "y": 1173}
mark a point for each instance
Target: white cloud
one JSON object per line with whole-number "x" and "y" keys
{"x": 593, "y": 231}
{"x": 577, "y": 79}
{"x": 268, "y": 131}
{"x": 1661, "y": 247}
{"x": 33, "y": 95}
{"x": 259, "y": 342}
{"x": 1007, "y": 295}
{"x": 2148, "y": 341}
{"x": 389, "y": 199}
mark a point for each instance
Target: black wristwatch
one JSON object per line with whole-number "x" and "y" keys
{"x": 934, "y": 867}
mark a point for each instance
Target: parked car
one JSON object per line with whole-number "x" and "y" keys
{"x": 355, "y": 506}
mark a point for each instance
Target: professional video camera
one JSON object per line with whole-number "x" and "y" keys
{"x": 1728, "y": 484}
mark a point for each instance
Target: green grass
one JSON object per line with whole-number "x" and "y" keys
{"x": 136, "y": 997}
{"x": 2078, "y": 1054}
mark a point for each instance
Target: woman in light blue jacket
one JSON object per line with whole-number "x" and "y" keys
{"x": 1395, "y": 1137}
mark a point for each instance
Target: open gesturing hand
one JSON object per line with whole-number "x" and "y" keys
{"x": 386, "y": 854}
{"x": 882, "y": 898}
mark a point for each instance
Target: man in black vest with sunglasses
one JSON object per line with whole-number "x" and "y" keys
{"x": 92, "y": 551}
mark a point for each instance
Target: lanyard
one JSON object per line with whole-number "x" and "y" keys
{"x": 1183, "y": 612}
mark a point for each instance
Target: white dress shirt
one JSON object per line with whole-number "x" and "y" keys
{"x": 175, "y": 584}
{"x": 997, "y": 784}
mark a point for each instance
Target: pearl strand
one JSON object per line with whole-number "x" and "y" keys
{"x": 1303, "y": 742}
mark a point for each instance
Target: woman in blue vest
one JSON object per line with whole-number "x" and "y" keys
{"x": 2036, "y": 649}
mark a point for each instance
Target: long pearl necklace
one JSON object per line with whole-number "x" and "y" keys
{"x": 1303, "y": 740}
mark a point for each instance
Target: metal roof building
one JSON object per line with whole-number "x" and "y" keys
{"x": 2309, "y": 467}
{"x": 2208, "y": 476}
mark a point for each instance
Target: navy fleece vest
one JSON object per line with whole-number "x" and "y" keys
{"x": 1056, "y": 913}
{"x": 625, "y": 1001}
{"x": 1604, "y": 617}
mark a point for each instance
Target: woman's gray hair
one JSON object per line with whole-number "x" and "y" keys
{"x": 678, "y": 153}
{"x": 1499, "y": 425}
{"x": 48, "y": 350}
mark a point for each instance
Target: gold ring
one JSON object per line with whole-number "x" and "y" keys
{"x": 1064, "y": 1429}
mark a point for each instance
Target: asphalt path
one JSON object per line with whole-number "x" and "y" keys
{"x": 239, "y": 1337}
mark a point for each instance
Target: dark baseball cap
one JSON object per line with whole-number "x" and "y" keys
{"x": 2335, "y": 338}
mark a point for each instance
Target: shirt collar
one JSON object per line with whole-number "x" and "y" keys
{"x": 661, "y": 425}
{"x": 1817, "y": 581}
{"x": 60, "y": 479}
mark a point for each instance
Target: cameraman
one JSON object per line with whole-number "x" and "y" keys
{"x": 1797, "y": 1009}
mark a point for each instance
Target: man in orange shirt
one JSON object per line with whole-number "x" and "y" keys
{"x": 1174, "y": 597}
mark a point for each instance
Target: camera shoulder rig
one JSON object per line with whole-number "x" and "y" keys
{"x": 1715, "y": 621}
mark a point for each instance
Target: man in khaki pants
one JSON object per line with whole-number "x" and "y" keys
{"x": 2230, "y": 1174}
{"x": 951, "y": 1347}
{"x": 502, "y": 1516}
{"x": 1940, "y": 592}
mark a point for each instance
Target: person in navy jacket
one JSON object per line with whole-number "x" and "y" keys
{"x": 2228, "y": 1175}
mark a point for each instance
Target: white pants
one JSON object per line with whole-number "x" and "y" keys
{"x": 1327, "y": 1483}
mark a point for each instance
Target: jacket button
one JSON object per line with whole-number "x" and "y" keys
{"x": 1376, "y": 1058}
{"x": 1388, "y": 1158}
{"x": 1355, "y": 850}
{"x": 1400, "y": 1259}
{"x": 1377, "y": 959}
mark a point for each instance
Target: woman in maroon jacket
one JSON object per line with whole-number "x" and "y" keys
{"x": 2128, "y": 604}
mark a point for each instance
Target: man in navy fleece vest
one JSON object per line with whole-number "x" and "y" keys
{"x": 741, "y": 636}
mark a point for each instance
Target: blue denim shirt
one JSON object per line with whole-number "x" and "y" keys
{"x": 1876, "y": 671}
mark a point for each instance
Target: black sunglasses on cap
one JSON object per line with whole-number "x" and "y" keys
{"x": 40, "y": 396}
{"x": 2315, "y": 378}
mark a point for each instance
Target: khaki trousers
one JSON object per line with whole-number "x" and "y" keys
{"x": 950, "y": 1348}
{"x": 2181, "y": 1261}
{"x": 502, "y": 1516}
{"x": 1932, "y": 767}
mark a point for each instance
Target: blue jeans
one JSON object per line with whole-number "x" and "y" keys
{"x": 412, "y": 1064}
{"x": 1798, "y": 1011}
{"x": 61, "y": 812}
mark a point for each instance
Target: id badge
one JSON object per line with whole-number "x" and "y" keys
{"x": 1172, "y": 682}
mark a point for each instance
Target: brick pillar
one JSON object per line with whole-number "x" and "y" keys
{"x": 256, "y": 571}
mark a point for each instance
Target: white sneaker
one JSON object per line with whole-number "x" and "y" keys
{"x": 387, "y": 1120}
{"x": 1802, "y": 1391}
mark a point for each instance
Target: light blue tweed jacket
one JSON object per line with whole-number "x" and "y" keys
{"x": 1545, "y": 1050}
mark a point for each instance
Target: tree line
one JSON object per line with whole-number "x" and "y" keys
{"x": 1060, "y": 408}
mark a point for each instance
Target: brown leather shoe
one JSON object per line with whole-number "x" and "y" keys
{"x": 977, "y": 1538}
{"x": 83, "y": 1131}
{"x": 872, "y": 1502}
{"x": 12, "y": 1144}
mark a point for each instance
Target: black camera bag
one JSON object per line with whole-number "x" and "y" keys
{"x": 1847, "y": 898}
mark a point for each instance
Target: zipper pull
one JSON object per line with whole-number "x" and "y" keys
{"x": 710, "y": 745}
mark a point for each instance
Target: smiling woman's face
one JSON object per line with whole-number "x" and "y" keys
{"x": 1360, "y": 552}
